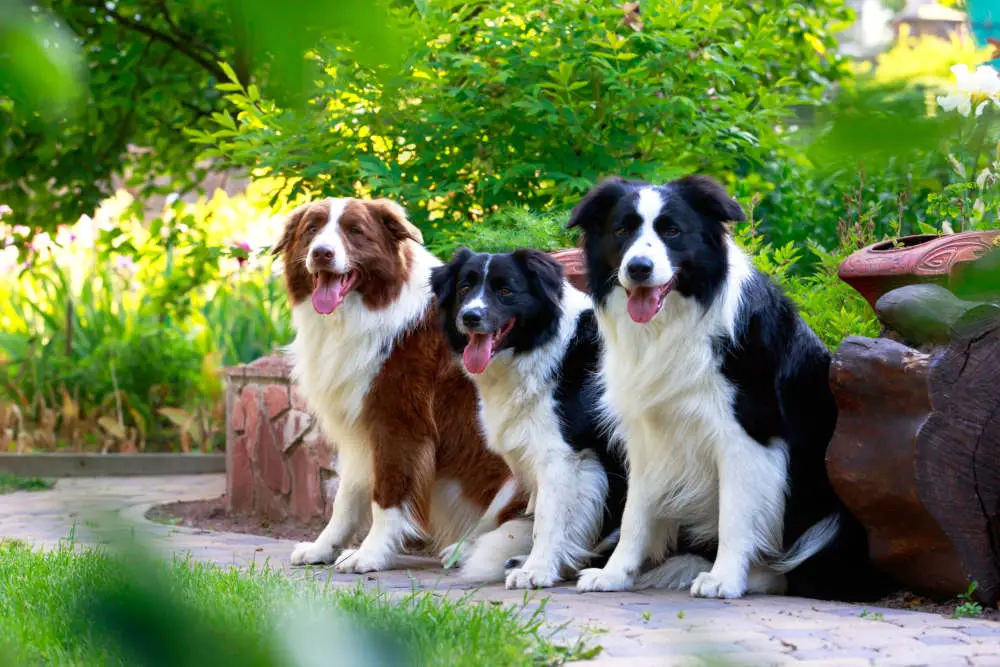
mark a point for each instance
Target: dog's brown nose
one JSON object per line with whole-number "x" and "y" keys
{"x": 322, "y": 253}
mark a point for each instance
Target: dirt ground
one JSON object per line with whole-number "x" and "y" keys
{"x": 212, "y": 515}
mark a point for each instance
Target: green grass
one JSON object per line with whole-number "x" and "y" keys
{"x": 93, "y": 607}
{"x": 11, "y": 483}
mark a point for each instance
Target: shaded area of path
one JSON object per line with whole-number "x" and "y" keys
{"x": 635, "y": 629}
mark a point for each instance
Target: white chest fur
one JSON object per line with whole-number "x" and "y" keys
{"x": 517, "y": 407}
{"x": 337, "y": 357}
{"x": 668, "y": 399}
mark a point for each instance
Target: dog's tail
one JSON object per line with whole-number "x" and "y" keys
{"x": 810, "y": 543}
{"x": 679, "y": 572}
{"x": 485, "y": 559}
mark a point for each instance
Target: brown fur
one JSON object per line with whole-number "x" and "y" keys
{"x": 421, "y": 411}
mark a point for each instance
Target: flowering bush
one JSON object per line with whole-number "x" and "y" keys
{"x": 973, "y": 200}
{"x": 112, "y": 332}
{"x": 979, "y": 87}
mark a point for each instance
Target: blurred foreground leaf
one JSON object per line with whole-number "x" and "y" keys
{"x": 39, "y": 61}
{"x": 286, "y": 31}
{"x": 873, "y": 124}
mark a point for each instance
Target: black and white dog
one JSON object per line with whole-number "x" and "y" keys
{"x": 529, "y": 341}
{"x": 719, "y": 392}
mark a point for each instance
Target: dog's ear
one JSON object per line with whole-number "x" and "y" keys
{"x": 709, "y": 198}
{"x": 443, "y": 277}
{"x": 596, "y": 206}
{"x": 544, "y": 273}
{"x": 291, "y": 224}
{"x": 393, "y": 216}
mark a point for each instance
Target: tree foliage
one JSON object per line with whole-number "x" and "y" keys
{"x": 151, "y": 66}
{"x": 528, "y": 103}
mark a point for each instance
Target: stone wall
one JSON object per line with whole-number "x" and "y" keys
{"x": 278, "y": 464}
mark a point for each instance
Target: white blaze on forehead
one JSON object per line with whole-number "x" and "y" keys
{"x": 647, "y": 243}
{"x": 332, "y": 236}
{"x": 477, "y": 300}
{"x": 648, "y": 206}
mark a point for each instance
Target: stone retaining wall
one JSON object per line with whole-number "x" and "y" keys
{"x": 278, "y": 464}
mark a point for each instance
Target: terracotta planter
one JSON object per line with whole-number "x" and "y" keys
{"x": 927, "y": 258}
{"x": 572, "y": 262}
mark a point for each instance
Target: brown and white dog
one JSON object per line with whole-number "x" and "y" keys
{"x": 372, "y": 363}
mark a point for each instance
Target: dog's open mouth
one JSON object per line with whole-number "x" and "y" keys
{"x": 481, "y": 348}
{"x": 329, "y": 290}
{"x": 645, "y": 302}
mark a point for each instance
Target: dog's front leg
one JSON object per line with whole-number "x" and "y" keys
{"x": 569, "y": 510}
{"x": 400, "y": 503}
{"x": 643, "y": 533}
{"x": 350, "y": 508}
{"x": 752, "y": 483}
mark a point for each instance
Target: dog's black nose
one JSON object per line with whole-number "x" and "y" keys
{"x": 472, "y": 317}
{"x": 322, "y": 253}
{"x": 640, "y": 269}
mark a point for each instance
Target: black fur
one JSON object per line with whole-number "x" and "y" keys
{"x": 778, "y": 367}
{"x": 536, "y": 284}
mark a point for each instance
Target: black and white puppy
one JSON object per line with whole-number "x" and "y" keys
{"x": 719, "y": 392}
{"x": 529, "y": 341}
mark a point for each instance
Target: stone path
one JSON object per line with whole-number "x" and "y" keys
{"x": 635, "y": 629}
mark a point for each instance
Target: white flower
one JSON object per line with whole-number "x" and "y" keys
{"x": 981, "y": 86}
{"x": 952, "y": 101}
{"x": 4, "y": 210}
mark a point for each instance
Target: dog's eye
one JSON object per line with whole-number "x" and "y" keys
{"x": 621, "y": 232}
{"x": 670, "y": 231}
{"x": 312, "y": 229}
{"x": 503, "y": 291}
{"x": 355, "y": 230}
{"x": 463, "y": 290}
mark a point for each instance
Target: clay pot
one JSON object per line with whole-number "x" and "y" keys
{"x": 574, "y": 267}
{"x": 926, "y": 258}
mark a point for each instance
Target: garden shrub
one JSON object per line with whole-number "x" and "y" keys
{"x": 527, "y": 104}
{"x": 507, "y": 230}
{"x": 115, "y": 323}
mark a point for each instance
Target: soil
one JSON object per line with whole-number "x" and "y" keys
{"x": 212, "y": 515}
{"x": 914, "y": 602}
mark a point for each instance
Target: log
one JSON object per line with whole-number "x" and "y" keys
{"x": 958, "y": 453}
{"x": 916, "y": 454}
{"x": 883, "y": 397}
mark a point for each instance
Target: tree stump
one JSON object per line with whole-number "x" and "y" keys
{"x": 916, "y": 452}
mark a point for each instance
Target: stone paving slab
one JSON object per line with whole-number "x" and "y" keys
{"x": 635, "y": 629}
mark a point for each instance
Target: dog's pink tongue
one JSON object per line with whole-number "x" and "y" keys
{"x": 643, "y": 304}
{"x": 328, "y": 293}
{"x": 477, "y": 352}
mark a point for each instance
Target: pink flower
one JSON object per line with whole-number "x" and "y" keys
{"x": 241, "y": 251}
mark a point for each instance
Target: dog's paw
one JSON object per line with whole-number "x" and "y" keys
{"x": 313, "y": 553}
{"x": 710, "y": 585}
{"x": 360, "y": 561}
{"x": 603, "y": 579}
{"x": 529, "y": 578}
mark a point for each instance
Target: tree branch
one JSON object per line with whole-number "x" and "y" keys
{"x": 165, "y": 13}
{"x": 208, "y": 65}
